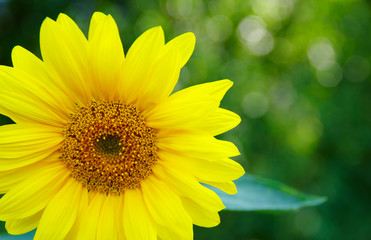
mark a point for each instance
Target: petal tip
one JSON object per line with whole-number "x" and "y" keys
{"x": 234, "y": 191}
{"x": 237, "y": 119}
{"x": 157, "y": 30}
{"x": 61, "y": 17}
{"x": 47, "y": 21}
{"x": 191, "y": 37}
{"x": 228, "y": 83}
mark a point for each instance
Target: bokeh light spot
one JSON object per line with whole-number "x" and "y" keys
{"x": 282, "y": 95}
{"x": 357, "y": 69}
{"x": 321, "y": 52}
{"x": 330, "y": 74}
{"x": 219, "y": 28}
{"x": 251, "y": 29}
{"x": 276, "y": 10}
{"x": 255, "y": 104}
{"x": 252, "y": 32}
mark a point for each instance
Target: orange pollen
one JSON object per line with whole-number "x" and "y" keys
{"x": 108, "y": 147}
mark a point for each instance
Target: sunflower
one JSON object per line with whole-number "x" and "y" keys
{"x": 101, "y": 149}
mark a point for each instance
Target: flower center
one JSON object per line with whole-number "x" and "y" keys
{"x": 109, "y": 144}
{"x": 108, "y": 147}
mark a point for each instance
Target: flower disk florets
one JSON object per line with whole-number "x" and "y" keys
{"x": 108, "y": 147}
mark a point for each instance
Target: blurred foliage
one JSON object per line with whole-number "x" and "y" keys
{"x": 301, "y": 70}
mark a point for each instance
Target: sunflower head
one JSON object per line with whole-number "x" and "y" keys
{"x": 108, "y": 147}
{"x": 102, "y": 145}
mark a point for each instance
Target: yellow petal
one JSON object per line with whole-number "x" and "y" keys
{"x": 120, "y": 222}
{"x": 166, "y": 207}
{"x": 108, "y": 222}
{"x": 22, "y": 144}
{"x": 201, "y": 216}
{"x": 227, "y": 187}
{"x": 139, "y": 60}
{"x": 9, "y": 179}
{"x": 164, "y": 232}
{"x": 161, "y": 79}
{"x": 219, "y": 122}
{"x": 106, "y": 55}
{"x": 74, "y": 231}
{"x": 189, "y": 107}
{"x": 187, "y": 186}
{"x": 60, "y": 213}
{"x": 195, "y": 144}
{"x": 33, "y": 194}
{"x": 64, "y": 49}
{"x": 96, "y": 19}
{"x": 23, "y": 225}
{"x": 216, "y": 90}
{"x": 137, "y": 221}
{"x": 185, "y": 44}
{"x": 151, "y": 69}
{"x": 216, "y": 170}
{"x": 23, "y": 133}
{"x": 91, "y": 217}
{"x": 14, "y": 159}
{"x": 41, "y": 79}
{"x": 25, "y": 102}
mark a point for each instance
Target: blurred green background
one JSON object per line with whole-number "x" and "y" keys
{"x": 301, "y": 70}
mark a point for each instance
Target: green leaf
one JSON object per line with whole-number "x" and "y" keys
{"x": 26, "y": 236}
{"x": 259, "y": 194}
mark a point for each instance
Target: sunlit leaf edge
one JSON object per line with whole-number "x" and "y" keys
{"x": 268, "y": 188}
